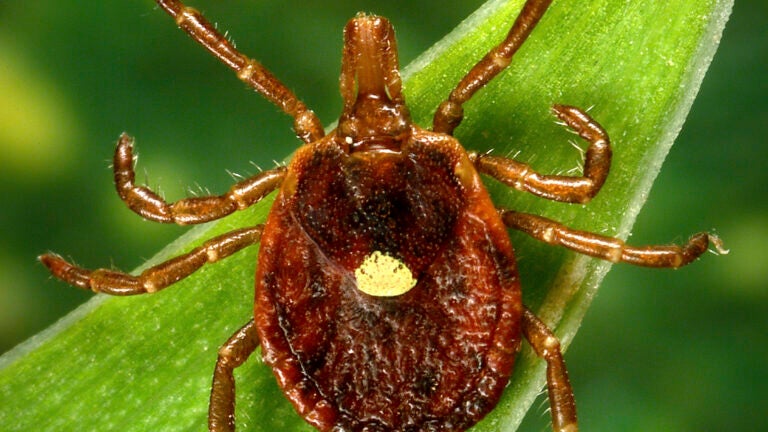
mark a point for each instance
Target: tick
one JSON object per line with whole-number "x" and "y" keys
{"x": 387, "y": 295}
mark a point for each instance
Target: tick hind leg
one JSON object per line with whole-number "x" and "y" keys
{"x": 221, "y": 410}
{"x": 187, "y": 211}
{"x": 547, "y": 346}
{"x": 154, "y": 278}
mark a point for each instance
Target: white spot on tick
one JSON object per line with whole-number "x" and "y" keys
{"x": 213, "y": 255}
{"x": 150, "y": 287}
{"x": 548, "y": 235}
{"x": 614, "y": 255}
{"x": 382, "y": 275}
{"x": 551, "y": 343}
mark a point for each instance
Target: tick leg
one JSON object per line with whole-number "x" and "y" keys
{"x": 194, "y": 210}
{"x": 221, "y": 410}
{"x": 547, "y": 346}
{"x": 450, "y": 113}
{"x": 597, "y": 163}
{"x": 609, "y": 248}
{"x": 306, "y": 124}
{"x": 155, "y": 278}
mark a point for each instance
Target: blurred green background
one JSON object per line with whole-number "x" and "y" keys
{"x": 658, "y": 351}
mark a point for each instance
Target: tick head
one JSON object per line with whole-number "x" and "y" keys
{"x": 375, "y": 115}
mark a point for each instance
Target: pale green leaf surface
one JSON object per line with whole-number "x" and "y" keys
{"x": 145, "y": 363}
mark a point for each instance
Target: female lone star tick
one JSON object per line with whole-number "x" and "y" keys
{"x": 387, "y": 295}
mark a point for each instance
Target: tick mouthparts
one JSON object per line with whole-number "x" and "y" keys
{"x": 370, "y": 65}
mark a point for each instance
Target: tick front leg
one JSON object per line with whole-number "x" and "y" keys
{"x": 306, "y": 124}
{"x": 450, "y": 113}
{"x": 155, "y": 278}
{"x": 609, "y": 248}
{"x": 187, "y": 211}
{"x": 597, "y": 163}
{"x": 221, "y": 410}
{"x": 547, "y": 346}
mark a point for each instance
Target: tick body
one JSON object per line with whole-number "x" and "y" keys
{"x": 435, "y": 357}
{"x": 387, "y": 295}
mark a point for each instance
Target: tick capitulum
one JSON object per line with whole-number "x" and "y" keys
{"x": 387, "y": 295}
